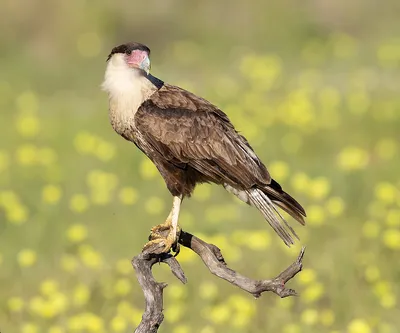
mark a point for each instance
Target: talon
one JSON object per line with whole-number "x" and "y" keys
{"x": 165, "y": 241}
{"x": 157, "y": 244}
{"x": 154, "y": 236}
{"x": 166, "y": 235}
{"x": 158, "y": 232}
{"x": 176, "y": 248}
{"x": 164, "y": 232}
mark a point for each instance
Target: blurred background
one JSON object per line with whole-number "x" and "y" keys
{"x": 313, "y": 85}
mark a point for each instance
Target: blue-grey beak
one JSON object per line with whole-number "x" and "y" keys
{"x": 145, "y": 65}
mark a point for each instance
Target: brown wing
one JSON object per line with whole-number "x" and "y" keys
{"x": 188, "y": 130}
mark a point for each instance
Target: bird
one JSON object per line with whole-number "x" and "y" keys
{"x": 190, "y": 141}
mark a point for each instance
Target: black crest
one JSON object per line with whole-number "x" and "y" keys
{"x": 128, "y": 48}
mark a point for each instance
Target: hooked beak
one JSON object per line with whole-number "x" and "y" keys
{"x": 145, "y": 65}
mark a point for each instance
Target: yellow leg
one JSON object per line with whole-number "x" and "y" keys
{"x": 165, "y": 234}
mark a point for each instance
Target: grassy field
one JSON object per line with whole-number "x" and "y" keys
{"x": 315, "y": 91}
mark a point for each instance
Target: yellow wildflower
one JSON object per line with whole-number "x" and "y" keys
{"x": 352, "y": 158}
{"x": 358, "y": 326}
{"x": 15, "y": 304}
{"x": 309, "y": 317}
{"x": 26, "y": 258}
{"x": 79, "y": 203}
{"x": 128, "y": 195}
{"x": 51, "y": 194}
{"x": 76, "y": 233}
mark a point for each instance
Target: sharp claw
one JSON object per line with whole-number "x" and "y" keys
{"x": 159, "y": 234}
{"x": 176, "y": 248}
{"x": 154, "y": 246}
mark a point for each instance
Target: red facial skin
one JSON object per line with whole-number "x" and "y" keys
{"x": 136, "y": 58}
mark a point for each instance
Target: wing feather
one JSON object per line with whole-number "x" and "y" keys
{"x": 187, "y": 129}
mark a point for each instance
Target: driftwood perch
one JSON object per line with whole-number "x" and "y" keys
{"x": 213, "y": 259}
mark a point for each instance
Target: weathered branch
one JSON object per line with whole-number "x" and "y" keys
{"x": 153, "y": 290}
{"x": 213, "y": 259}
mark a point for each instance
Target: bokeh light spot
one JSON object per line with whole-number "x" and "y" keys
{"x": 154, "y": 205}
{"x": 77, "y": 233}
{"x": 279, "y": 170}
{"x": 313, "y": 292}
{"x": 124, "y": 266}
{"x": 27, "y": 125}
{"x": 319, "y": 188}
{"x": 48, "y": 287}
{"x": 309, "y": 317}
{"x": 315, "y": 215}
{"x": 79, "y": 203}
{"x": 327, "y": 317}
{"x": 29, "y": 328}
{"x": 202, "y": 193}
{"x": 386, "y": 192}
{"x": 69, "y": 263}
{"x": 51, "y": 194}
{"x": 27, "y": 258}
{"x": 147, "y": 169}
{"x": 208, "y": 290}
{"x": 371, "y": 229}
{"x": 352, "y": 158}
{"x": 372, "y": 273}
{"x": 128, "y": 195}
{"x": 335, "y": 206}
{"x": 118, "y": 324}
{"x": 80, "y": 295}
{"x": 15, "y": 304}
{"x": 358, "y": 326}
{"x": 391, "y": 238}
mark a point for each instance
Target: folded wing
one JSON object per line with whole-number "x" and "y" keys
{"x": 191, "y": 131}
{"x": 187, "y": 130}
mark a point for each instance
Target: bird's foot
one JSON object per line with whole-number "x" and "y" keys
{"x": 162, "y": 239}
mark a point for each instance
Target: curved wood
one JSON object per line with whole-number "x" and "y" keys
{"x": 213, "y": 259}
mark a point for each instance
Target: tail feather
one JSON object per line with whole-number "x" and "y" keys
{"x": 266, "y": 200}
{"x": 287, "y": 202}
{"x": 264, "y": 204}
{"x": 280, "y": 215}
{"x": 289, "y": 209}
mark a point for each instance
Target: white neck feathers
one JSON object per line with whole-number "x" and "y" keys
{"x": 127, "y": 89}
{"x": 123, "y": 81}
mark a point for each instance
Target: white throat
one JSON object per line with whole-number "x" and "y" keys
{"x": 121, "y": 80}
{"x": 127, "y": 89}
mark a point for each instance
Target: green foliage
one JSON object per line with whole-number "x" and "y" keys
{"x": 322, "y": 110}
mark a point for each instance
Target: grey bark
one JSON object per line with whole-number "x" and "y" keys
{"x": 213, "y": 259}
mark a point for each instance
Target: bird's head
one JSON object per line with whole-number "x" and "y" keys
{"x": 133, "y": 55}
